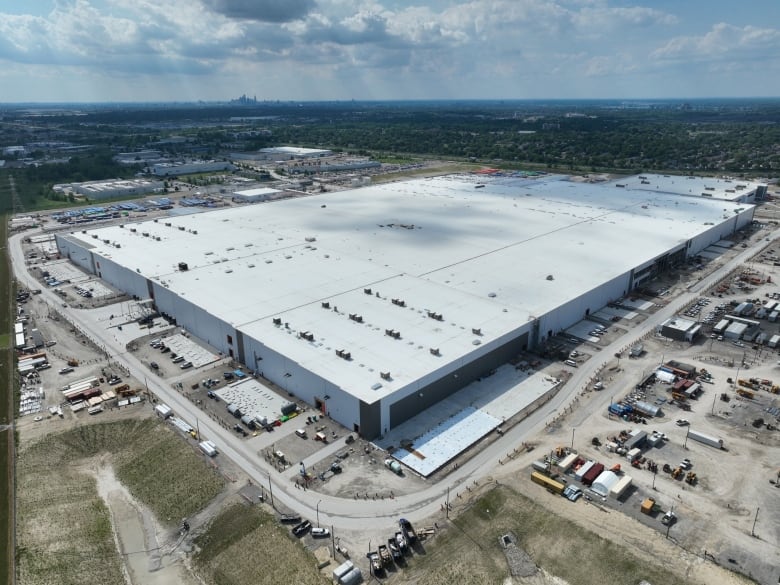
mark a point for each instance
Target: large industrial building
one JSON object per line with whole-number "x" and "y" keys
{"x": 376, "y": 303}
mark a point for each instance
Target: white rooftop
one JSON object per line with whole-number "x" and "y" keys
{"x": 722, "y": 188}
{"x": 478, "y": 257}
{"x": 255, "y": 192}
{"x": 295, "y": 150}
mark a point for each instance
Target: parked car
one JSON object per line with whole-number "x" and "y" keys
{"x": 154, "y": 365}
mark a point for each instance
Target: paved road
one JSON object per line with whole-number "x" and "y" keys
{"x": 349, "y": 513}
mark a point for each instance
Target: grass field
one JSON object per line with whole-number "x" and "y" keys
{"x": 64, "y": 530}
{"x": 7, "y": 571}
{"x": 245, "y": 545}
{"x": 470, "y": 551}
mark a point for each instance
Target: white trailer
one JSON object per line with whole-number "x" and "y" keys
{"x": 774, "y": 341}
{"x": 208, "y": 447}
{"x": 706, "y": 439}
{"x": 163, "y": 411}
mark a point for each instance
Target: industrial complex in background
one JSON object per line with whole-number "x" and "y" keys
{"x": 375, "y": 303}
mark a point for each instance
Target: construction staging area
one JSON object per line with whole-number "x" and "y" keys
{"x": 615, "y": 377}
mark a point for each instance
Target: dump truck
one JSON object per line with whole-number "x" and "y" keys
{"x": 401, "y": 541}
{"x": 384, "y": 554}
{"x": 648, "y": 506}
{"x": 706, "y": 439}
{"x": 408, "y": 530}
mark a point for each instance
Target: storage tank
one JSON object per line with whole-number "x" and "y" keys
{"x": 234, "y": 410}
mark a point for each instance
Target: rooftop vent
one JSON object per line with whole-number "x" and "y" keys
{"x": 311, "y": 239}
{"x": 306, "y": 335}
{"x": 356, "y": 318}
{"x": 326, "y": 305}
{"x": 367, "y": 291}
{"x": 181, "y": 228}
{"x": 183, "y": 266}
{"x": 133, "y": 230}
{"x": 436, "y": 316}
{"x": 435, "y": 351}
{"x": 393, "y": 333}
{"x": 476, "y": 331}
{"x": 384, "y": 375}
{"x": 345, "y": 355}
{"x": 399, "y": 302}
{"x": 550, "y": 277}
{"x": 277, "y": 321}
{"x": 167, "y": 224}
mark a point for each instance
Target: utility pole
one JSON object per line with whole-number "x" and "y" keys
{"x": 572, "y": 439}
{"x": 271, "y": 491}
{"x": 753, "y": 530}
{"x": 448, "y": 502}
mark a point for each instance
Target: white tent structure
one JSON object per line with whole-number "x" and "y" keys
{"x": 605, "y": 482}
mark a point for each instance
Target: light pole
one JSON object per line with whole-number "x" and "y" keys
{"x": 318, "y": 513}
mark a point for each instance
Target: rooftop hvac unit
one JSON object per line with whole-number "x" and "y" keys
{"x": 277, "y": 320}
{"x": 183, "y": 266}
{"x": 367, "y": 291}
{"x": 384, "y": 375}
{"x": 181, "y": 228}
{"x": 435, "y": 351}
{"x": 326, "y": 305}
{"x": 476, "y": 331}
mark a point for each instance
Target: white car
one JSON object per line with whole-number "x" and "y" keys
{"x": 320, "y": 532}
{"x": 682, "y": 422}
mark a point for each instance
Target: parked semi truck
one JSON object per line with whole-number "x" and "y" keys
{"x": 706, "y": 439}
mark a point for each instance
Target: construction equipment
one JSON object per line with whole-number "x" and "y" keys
{"x": 677, "y": 473}
{"x": 745, "y": 393}
{"x": 690, "y": 478}
{"x": 647, "y": 506}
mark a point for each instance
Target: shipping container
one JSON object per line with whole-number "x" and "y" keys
{"x": 580, "y": 473}
{"x": 554, "y": 486}
{"x": 706, "y": 439}
{"x": 592, "y": 474}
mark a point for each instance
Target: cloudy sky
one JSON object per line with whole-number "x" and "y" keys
{"x": 182, "y": 50}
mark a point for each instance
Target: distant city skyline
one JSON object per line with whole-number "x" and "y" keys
{"x": 55, "y": 51}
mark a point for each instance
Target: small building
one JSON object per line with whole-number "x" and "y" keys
{"x": 681, "y": 329}
{"x": 735, "y": 330}
{"x": 774, "y": 341}
{"x": 721, "y": 326}
{"x": 254, "y": 195}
